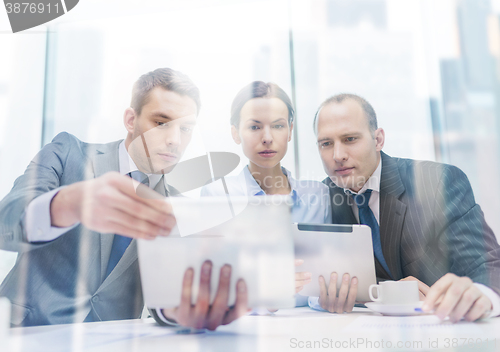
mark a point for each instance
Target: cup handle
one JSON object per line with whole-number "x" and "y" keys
{"x": 370, "y": 292}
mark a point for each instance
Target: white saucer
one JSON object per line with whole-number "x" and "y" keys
{"x": 396, "y": 309}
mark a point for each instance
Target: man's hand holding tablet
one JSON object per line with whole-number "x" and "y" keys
{"x": 202, "y": 314}
{"x": 346, "y": 298}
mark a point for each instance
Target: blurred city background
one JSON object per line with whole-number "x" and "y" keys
{"x": 431, "y": 70}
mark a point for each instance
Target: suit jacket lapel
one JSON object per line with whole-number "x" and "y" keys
{"x": 392, "y": 213}
{"x": 128, "y": 258}
{"x": 105, "y": 160}
{"x": 341, "y": 204}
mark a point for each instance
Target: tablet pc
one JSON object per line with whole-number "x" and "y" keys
{"x": 335, "y": 248}
{"x": 257, "y": 242}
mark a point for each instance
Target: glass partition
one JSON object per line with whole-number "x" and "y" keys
{"x": 431, "y": 69}
{"x": 22, "y": 66}
{"x": 221, "y": 48}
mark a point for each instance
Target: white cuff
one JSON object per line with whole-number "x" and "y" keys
{"x": 37, "y": 219}
{"x": 314, "y": 304}
{"x": 494, "y": 298}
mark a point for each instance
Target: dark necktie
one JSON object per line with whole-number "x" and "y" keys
{"x": 366, "y": 217}
{"x": 120, "y": 243}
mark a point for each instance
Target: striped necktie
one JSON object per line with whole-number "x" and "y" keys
{"x": 366, "y": 217}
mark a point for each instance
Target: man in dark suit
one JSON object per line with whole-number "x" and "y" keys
{"x": 425, "y": 223}
{"x": 74, "y": 215}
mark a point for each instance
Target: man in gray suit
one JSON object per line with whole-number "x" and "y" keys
{"x": 73, "y": 215}
{"x": 425, "y": 223}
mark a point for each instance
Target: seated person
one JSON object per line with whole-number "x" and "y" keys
{"x": 262, "y": 123}
{"x": 74, "y": 217}
{"x": 425, "y": 222}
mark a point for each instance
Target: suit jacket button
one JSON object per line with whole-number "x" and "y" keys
{"x": 95, "y": 299}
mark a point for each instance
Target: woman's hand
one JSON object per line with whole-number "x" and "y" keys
{"x": 301, "y": 278}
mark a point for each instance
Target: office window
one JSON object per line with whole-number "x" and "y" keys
{"x": 22, "y": 65}
{"x": 221, "y": 48}
{"x": 429, "y": 68}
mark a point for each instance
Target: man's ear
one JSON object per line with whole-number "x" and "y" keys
{"x": 235, "y": 134}
{"x": 379, "y": 139}
{"x": 290, "y": 133}
{"x": 129, "y": 118}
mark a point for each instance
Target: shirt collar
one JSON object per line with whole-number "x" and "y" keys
{"x": 253, "y": 188}
{"x": 127, "y": 165}
{"x": 373, "y": 182}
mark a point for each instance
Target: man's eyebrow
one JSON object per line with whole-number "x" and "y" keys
{"x": 350, "y": 134}
{"x": 162, "y": 115}
{"x": 343, "y": 135}
{"x": 166, "y": 117}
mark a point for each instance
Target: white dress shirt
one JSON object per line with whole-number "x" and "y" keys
{"x": 373, "y": 183}
{"x": 311, "y": 199}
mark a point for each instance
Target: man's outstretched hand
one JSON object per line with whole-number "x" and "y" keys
{"x": 456, "y": 297}
{"x": 113, "y": 203}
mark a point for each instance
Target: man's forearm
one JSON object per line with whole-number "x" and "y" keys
{"x": 63, "y": 208}
{"x": 37, "y": 222}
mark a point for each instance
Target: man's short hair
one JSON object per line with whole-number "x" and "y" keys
{"x": 259, "y": 89}
{"x": 167, "y": 79}
{"x": 339, "y": 98}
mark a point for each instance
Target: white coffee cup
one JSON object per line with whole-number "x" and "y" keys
{"x": 395, "y": 292}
